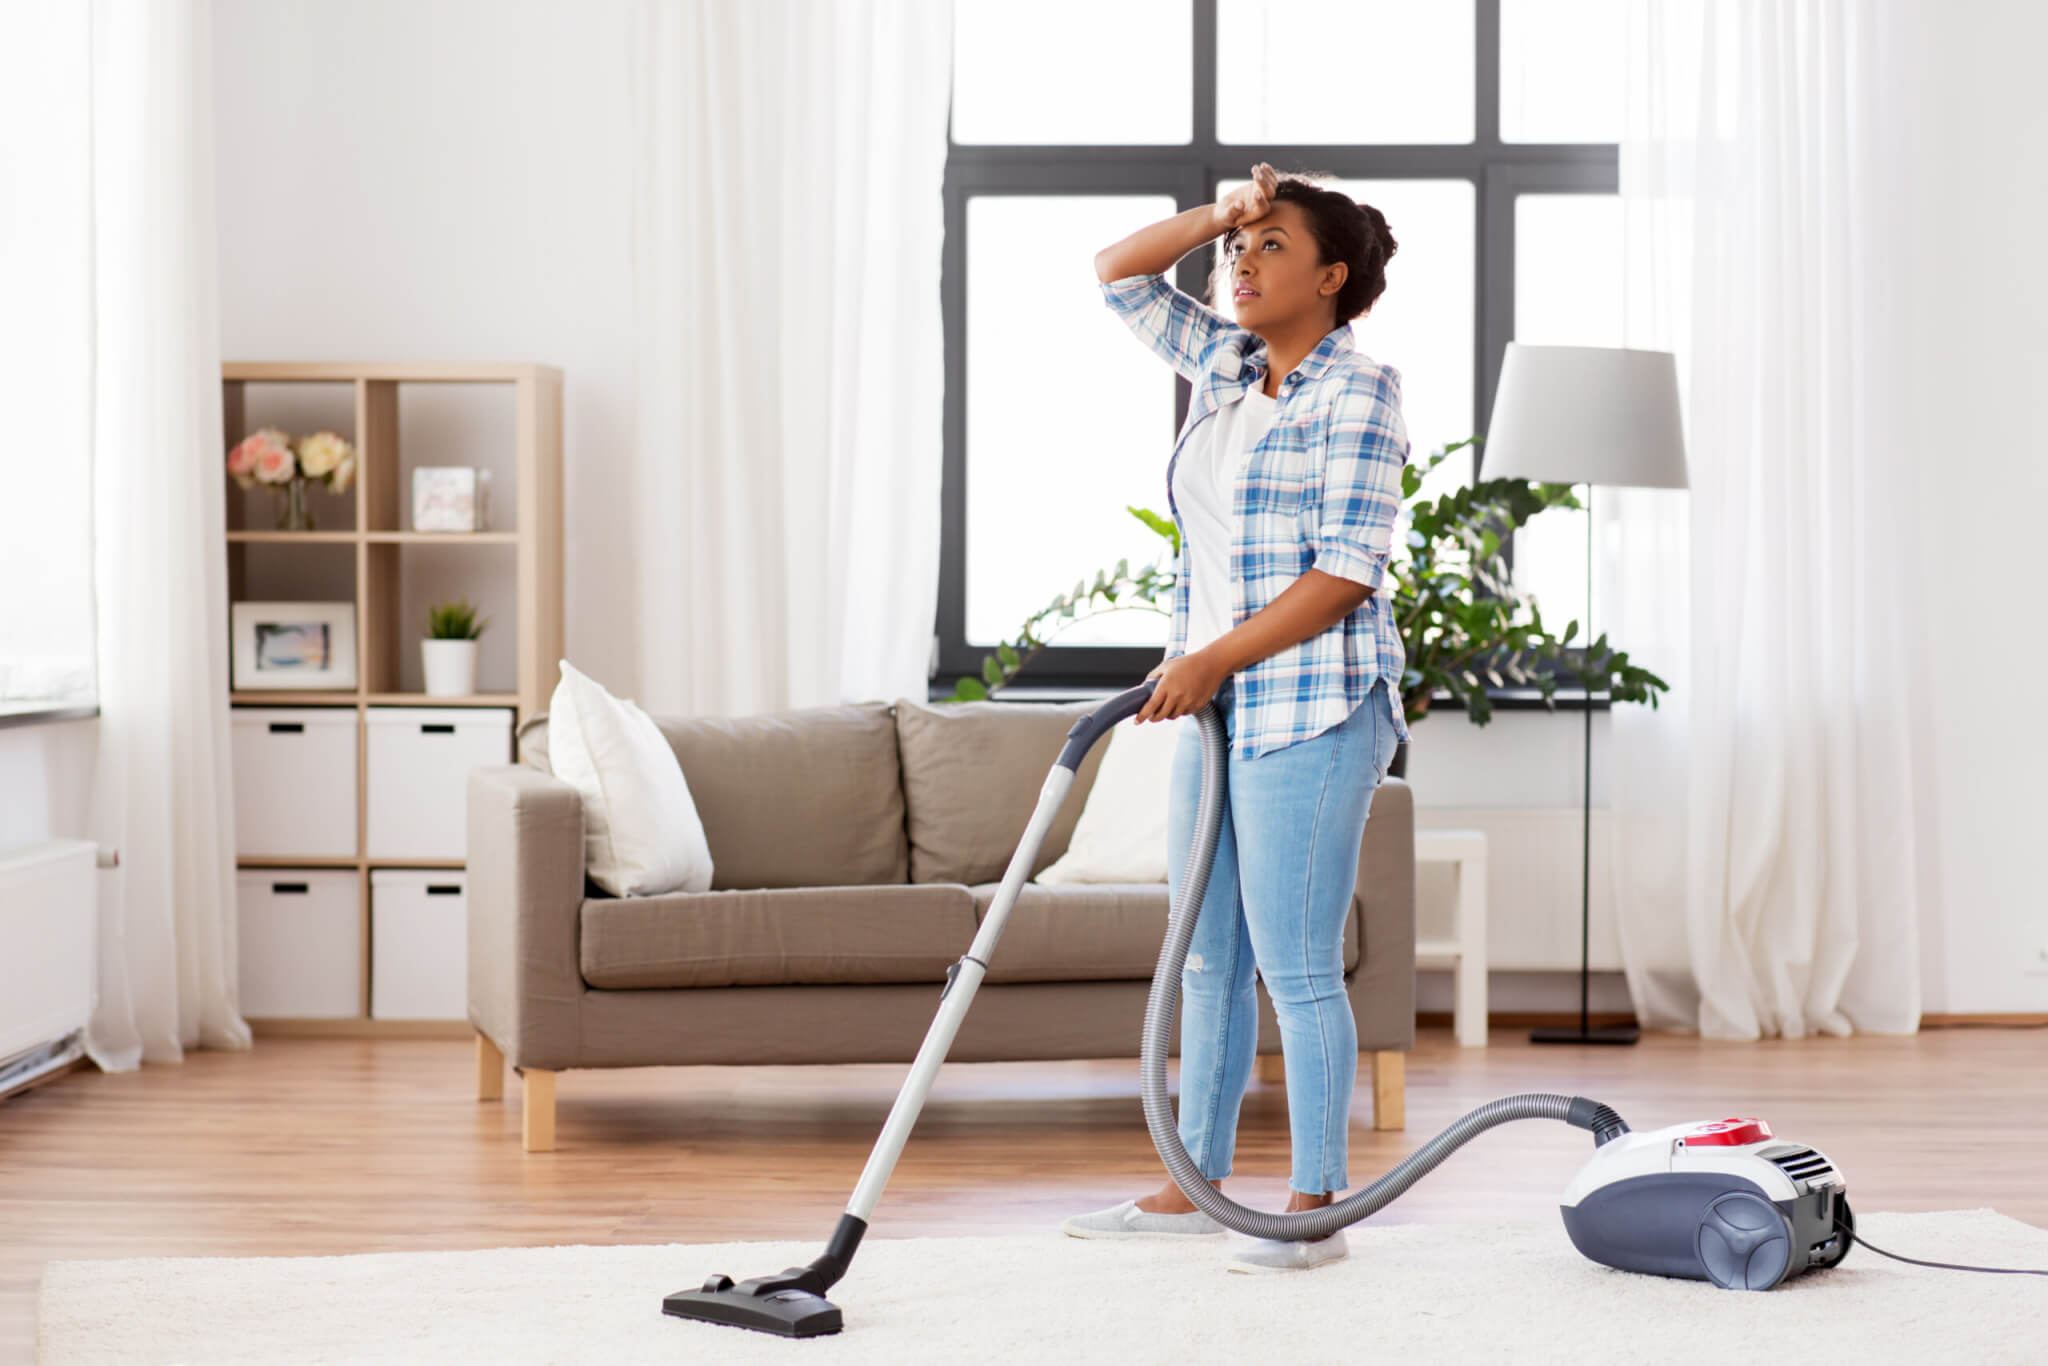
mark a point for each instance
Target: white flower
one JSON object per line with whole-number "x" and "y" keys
{"x": 321, "y": 452}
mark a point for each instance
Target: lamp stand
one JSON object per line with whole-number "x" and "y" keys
{"x": 1584, "y": 1033}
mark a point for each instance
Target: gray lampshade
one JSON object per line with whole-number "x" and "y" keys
{"x": 1586, "y": 415}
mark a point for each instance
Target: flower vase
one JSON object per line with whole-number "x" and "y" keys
{"x": 295, "y": 514}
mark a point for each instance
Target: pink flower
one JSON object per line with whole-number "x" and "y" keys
{"x": 275, "y": 465}
{"x": 256, "y": 457}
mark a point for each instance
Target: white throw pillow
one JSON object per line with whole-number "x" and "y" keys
{"x": 1121, "y": 836}
{"x": 641, "y": 833}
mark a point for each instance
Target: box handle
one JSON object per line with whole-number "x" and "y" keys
{"x": 281, "y": 888}
{"x": 444, "y": 889}
{"x": 437, "y": 728}
{"x": 287, "y": 727}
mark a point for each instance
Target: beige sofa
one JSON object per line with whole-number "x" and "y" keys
{"x": 855, "y": 849}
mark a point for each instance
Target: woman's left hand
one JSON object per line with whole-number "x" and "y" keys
{"x": 1185, "y": 683}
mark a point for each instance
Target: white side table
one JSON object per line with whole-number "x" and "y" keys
{"x": 1465, "y": 951}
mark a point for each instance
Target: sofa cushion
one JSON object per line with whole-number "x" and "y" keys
{"x": 1091, "y": 932}
{"x": 971, "y": 777}
{"x": 804, "y": 798}
{"x": 774, "y": 936}
{"x": 641, "y": 834}
{"x": 1121, "y": 835}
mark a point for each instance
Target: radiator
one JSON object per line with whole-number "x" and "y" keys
{"x": 49, "y": 919}
{"x": 1533, "y": 857}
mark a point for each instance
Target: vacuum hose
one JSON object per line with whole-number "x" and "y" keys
{"x": 1603, "y": 1122}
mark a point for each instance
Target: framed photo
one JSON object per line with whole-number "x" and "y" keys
{"x": 293, "y": 645}
{"x": 450, "y": 498}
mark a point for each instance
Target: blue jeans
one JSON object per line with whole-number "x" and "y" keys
{"x": 1278, "y": 896}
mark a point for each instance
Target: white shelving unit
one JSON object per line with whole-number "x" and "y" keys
{"x": 505, "y": 417}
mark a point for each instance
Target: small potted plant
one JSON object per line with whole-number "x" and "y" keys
{"x": 449, "y": 651}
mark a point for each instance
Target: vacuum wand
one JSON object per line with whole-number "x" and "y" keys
{"x": 793, "y": 1303}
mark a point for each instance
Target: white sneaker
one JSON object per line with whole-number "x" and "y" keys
{"x": 1128, "y": 1221}
{"x": 1267, "y": 1254}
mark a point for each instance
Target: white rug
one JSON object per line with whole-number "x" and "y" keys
{"x": 1409, "y": 1292}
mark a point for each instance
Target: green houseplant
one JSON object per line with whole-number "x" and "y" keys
{"x": 448, "y": 654}
{"x": 1463, "y": 622}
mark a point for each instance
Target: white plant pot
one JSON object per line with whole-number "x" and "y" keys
{"x": 450, "y": 667}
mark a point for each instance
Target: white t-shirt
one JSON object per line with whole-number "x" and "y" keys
{"x": 1204, "y": 487}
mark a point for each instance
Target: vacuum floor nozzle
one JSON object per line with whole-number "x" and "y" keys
{"x": 767, "y": 1304}
{"x": 791, "y": 1304}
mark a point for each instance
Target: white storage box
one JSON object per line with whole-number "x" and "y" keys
{"x": 419, "y": 762}
{"x": 295, "y": 781}
{"x": 419, "y": 945}
{"x": 301, "y": 943}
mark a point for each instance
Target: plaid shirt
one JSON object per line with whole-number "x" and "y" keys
{"x": 1322, "y": 490}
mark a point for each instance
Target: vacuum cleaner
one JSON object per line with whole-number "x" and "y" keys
{"x": 1722, "y": 1201}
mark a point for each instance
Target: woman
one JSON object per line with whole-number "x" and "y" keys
{"x": 1285, "y": 484}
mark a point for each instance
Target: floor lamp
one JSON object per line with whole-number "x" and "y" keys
{"x": 1586, "y": 415}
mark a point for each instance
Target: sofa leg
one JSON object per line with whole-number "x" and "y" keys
{"x": 1272, "y": 1067}
{"x": 490, "y": 1070}
{"x": 1389, "y": 1089}
{"x": 537, "y": 1115}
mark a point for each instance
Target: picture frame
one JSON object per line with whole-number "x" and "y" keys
{"x": 292, "y": 646}
{"x": 451, "y": 498}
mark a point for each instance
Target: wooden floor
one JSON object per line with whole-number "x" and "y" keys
{"x": 309, "y": 1146}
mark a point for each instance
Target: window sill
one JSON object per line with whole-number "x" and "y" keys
{"x": 1504, "y": 699}
{"x": 44, "y": 713}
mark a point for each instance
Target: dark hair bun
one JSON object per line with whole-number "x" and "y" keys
{"x": 1345, "y": 230}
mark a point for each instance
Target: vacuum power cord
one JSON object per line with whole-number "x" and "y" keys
{"x": 1946, "y": 1266}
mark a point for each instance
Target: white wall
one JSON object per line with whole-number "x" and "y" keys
{"x": 1520, "y": 760}
{"x": 452, "y": 180}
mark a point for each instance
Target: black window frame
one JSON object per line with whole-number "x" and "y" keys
{"x": 1499, "y": 171}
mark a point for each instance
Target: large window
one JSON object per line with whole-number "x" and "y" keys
{"x": 46, "y": 597}
{"x": 1484, "y": 130}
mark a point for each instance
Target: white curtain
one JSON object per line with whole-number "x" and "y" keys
{"x": 789, "y": 157}
{"x": 1767, "y": 838}
{"x": 162, "y": 795}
